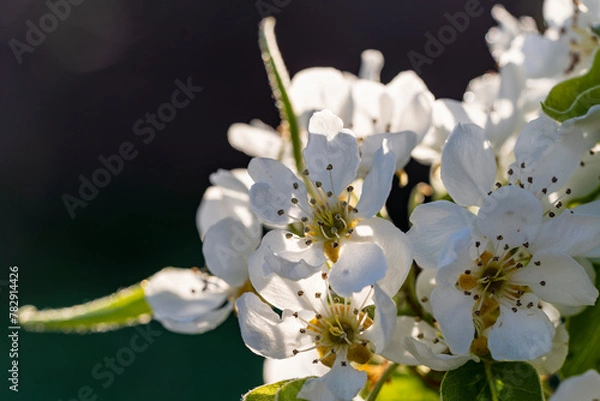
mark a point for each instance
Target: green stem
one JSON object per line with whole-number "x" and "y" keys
{"x": 125, "y": 307}
{"x": 377, "y": 388}
{"x": 280, "y": 81}
{"x": 490, "y": 379}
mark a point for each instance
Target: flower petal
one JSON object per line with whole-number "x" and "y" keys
{"x": 400, "y": 143}
{"x": 226, "y": 248}
{"x": 278, "y": 291}
{"x": 424, "y": 286}
{"x": 320, "y": 88}
{"x": 290, "y": 257}
{"x": 275, "y": 370}
{"x": 264, "y": 332}
{"x": 523, "y": 335}
{"x": 582, "y": 387}
{"x": 255, "y": 141}
{"x": 384, "y": 324}
{"x": 342, "y": 383}
{"x": 555, "y": 277}
{"x": 360, "y": 265}
{"x": 426, "y": 356}
{"x": 468, "y": 165}
{"x": 511, "y": 215}
{"x": 378, "y": 183}
{"x": 575, "y": 232}
{"x": 454, "y": 312}
{"x": 200, "y": 324}
{"x": 433, "y": 225}
{"x": 184, "y": 294}
{"x": 274, "y": 190}
{"x": 396, "y": 248}
{"x": 329, "y": 146}
{"x": 551, "y": 362}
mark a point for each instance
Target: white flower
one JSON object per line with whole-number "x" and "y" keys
{"x": 313, "y": 317}
{"x": 322, "y": 203}
{"x": 493, "y": 267}
{"x": 579, "y": 388}
{"x": 187, "y": 301}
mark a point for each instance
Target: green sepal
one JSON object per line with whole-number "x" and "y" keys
{"x": 492, "y": 381}
{"x": 285, "y": 390}
{"x": 575, "y": 96}
{"x": 279, "y": 80}
{"x": 125, "y": 307}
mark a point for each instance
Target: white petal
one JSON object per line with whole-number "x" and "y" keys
{"x": 291, "y": 258}
{"x": 400, "y": 143}
{"x": 396, "y": 248}
{"x": 558, "y": 278}
{"x": 328, "y": 145}
{"x": 551, "y": 362}
{"x": 255, "y": 141}
{"x": 384, "y": 324}
{"x": 226, "y": 248}
{"x": 468, "y": 165}
{"x": 454, "y": 312}
{"x": 439, "y": 362}
{"x": 378, "y": 183}
{"x": 371, "y": 65}
{"x": 227, "y": 198}
{"x": 264, "y": 332}
{"x": 360, "y": 265}
{"x": 319, "y": 88}
{"x": 279, "y": 291}
{"x": 424, "y": 286}
{"x": 523, "y": 335}
{"x": 549, "y": 157}
{"x": 184, "y": 294}
{"x": 510, "y": 215}
{"x": 276, "y": 370}
{"x": 557, "y": 12}
{"x": 372, "y": 108}
{"x": 433, "y": 225}
{"x": 274, "y": 190}
{"x": 413, "y": 103}
{"x": 200, "y": 324}
{"x": 342, "y": 383}
{"x": 574, "y": 233}
{"x": 582, "y": 387}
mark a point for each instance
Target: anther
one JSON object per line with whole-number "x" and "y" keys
{"x": 498, "y": 185}
{"x": 289, "y": 235}
{"x": 477, "y": 244}
{"x": 295, "y": 351}
{"x": 304, "y": 219}
{"x": 537, "y": 263}
{"x": 300, "y": 293}
{"x": 514, "y": 309}
{"x": 312, "y": 201}
{"x": 317, "y": 295}
{"x": 543, "y": 283}
{"x": 344, "y": 363}
{"x": 506, "y": 247}
{"x": 544, "y": 191}
{"x": 530, "y": 180}
{"x": 530, "y": 305}
{"x": 302, "y": 331}
{"x": 295, "y": 201}
{"x": 510, "y": 171}
{"x": 554, "y": 179}
{"x": 526, "y": 244}
{"x": 329, "y": 194}
{"x": 519, "y": 265}
{"x": 424, "y": 299}
{"x": 522, "y": 165}
{"x": 559, "y": 205}
{"x": 318, "y": 184}
{"x": 306, "y": 172}
{"x": 280, "y": 212}
{"x": 295, "y": 314}
{"x": 335, "y": 245}
{"x": 308, "y": 242}
{"x": 499, "y": 238}
{"x": 329, "y": 167}
{"x": 295, "y": 185}
{"x": 324, "y": 276}
{"x": 420, "y": 336}
{"x": 568, "y": 191}
{"x": 551, "y": 214}
{"x": 467, "y": 272}
{"x": 350, "y": 188}
{"x": 436, "y": 340}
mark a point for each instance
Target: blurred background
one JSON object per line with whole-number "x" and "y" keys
{"x": 76, "y": 95}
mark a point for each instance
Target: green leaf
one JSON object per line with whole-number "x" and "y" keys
{"x": 406, "y": 387}
{"x": 584, "y": 340}
{"x": 492, "y": 381}
{"x": 286, "y": 390}
{"x": 279, "y": 80}
{"x": 125, "y": 307}
{"x": 289, "y": 392}
{"x": 575, "y": 96}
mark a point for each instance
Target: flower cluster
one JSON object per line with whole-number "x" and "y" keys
{"x": 331, "y": 291}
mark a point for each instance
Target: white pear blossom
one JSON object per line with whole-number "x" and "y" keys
{"x": 314, "y": 317}
{"x": 585, "y": 387}
{"x": 494, "y": 267}
{"x": 191, "y": 301}
{"x": 333, "y": 226}
{"x": 188, "y": 301}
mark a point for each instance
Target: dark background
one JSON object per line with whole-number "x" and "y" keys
{"x": 76, "y": 98}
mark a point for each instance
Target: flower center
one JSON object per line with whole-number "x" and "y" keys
{"x": 337, "y": 329}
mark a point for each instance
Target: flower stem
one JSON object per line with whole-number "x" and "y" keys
{"x": 377, "y": 388}
{"x": 490, "y": 379}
